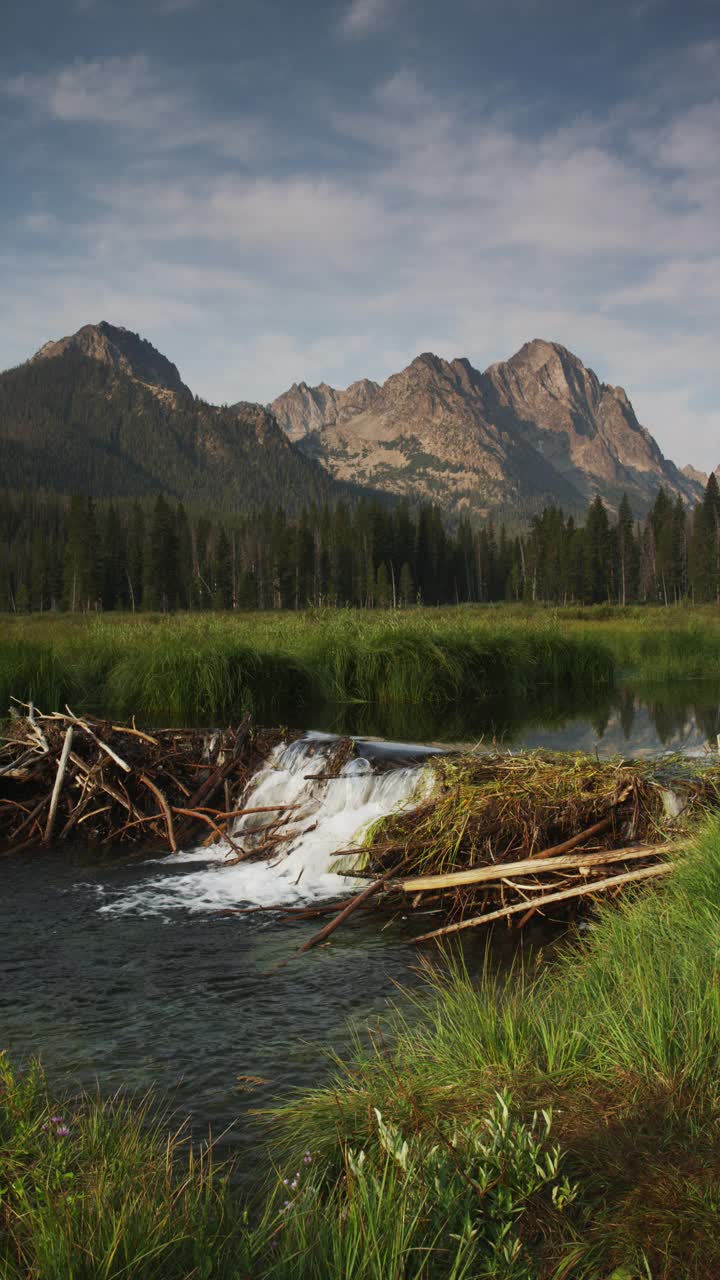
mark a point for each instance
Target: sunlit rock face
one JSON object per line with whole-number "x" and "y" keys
{"x": 125, "y": 350}
{"x": 536, "y": 428}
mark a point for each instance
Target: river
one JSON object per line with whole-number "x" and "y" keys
{"x": 124, "y": 973}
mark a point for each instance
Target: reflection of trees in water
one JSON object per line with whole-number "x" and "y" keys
{"x": 708, "y": 719}
{"x": 669, "y": 721}
{"x": 626, "y": 712}
{"x": 670, "y": 712}
{"x": 678, "y": 711}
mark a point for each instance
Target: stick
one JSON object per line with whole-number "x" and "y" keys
{"x": 567, "y": 845}
{"x": 30, "y": 818}
{"x": 221, "y": 834}
{"x": 59, "y": 776}
{"x": 348, "y": 910}
{"x": 165, "y": 808}
{"x": 538, "y": 903}
{"x": 118, "y": 728}
{"x": 207, "y": 789}
{"x": 499, "y": 870}
{"x": 102, "y": 745}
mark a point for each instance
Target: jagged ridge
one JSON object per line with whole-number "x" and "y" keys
{"x": 538, "y": 427}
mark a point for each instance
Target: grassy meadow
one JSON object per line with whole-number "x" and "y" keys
{"x": 215, "y": 666}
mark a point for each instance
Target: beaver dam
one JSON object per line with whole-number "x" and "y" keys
{"x": 316, "y": 825}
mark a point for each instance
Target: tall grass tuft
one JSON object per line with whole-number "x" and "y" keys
{"x": 98, "y": 1191}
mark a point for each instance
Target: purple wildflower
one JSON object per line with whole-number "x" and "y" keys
{"x": 56, "y": 1120}
{"x": 62, "y": 1131}
{"x": 44, "y": 1128}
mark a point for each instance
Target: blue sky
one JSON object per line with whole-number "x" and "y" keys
{"x": 275, "y": 191}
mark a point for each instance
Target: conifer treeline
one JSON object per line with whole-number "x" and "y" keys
{"x": 76, "y": 554}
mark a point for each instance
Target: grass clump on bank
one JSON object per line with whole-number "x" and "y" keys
{"x": 96, "y": 1191}
{"x": 553, "y": 1124}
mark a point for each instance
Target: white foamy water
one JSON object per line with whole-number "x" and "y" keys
{"x": 326, "y": 816}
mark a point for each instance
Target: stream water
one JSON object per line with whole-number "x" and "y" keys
{"x": 127, "y": 973}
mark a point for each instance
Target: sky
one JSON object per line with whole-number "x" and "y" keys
{"x": 282, "y": 190}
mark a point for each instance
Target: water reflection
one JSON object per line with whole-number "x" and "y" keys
{"x": 631, "y": 720}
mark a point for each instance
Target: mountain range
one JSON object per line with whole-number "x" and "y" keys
{"x": 537, "y": 428}
{"x": 103, "y": 412}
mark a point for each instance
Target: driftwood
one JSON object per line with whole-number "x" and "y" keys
{"x": 59, "y": 777}
{"x": 348, "y": 910}
{"x": 537, "y": 904}
{"x": 533, "y": 865}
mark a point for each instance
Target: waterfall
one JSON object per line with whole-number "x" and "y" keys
{"x": 323, "y": 816}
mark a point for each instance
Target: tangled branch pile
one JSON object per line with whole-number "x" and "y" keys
{"x": 63, "y": 776}
{"x": 502, "y": 836}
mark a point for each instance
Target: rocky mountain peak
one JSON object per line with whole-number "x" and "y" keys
{"x": 125, "y": 350}
{"x": 538, "y": 426}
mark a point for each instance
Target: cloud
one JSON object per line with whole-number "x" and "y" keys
{"x": 136, "y": 98}
{"x": 423, "y": 220}
{"x": 363, "y": 18}
{"x": 118, "y": 91}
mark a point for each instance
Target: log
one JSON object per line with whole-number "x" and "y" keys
{"x": 537, "y": 904}
{"x": 59, "y": 778}
{"x": 499, "y": 870}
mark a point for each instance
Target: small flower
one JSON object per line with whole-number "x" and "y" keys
{"x": 62, "y": 1131}
{"x": 286, "y": 1182}
{"x": 44, "y": 1128}
{"x": 56, "y": 1120}
{"x": 307, "y": 1158}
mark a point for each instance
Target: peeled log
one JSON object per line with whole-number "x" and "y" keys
{"x": 595, "y": 886}
{"x": 499, "y": 870}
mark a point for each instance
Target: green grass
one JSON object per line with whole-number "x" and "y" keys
{"x": 221, "y": 665}
{"x": 559, "y": 1122}
{"x": 212, "y": 665}
{"x": 107, "y": 1194}
{"x": 99, "y": 1193}
{"x": 621, "y": 1035}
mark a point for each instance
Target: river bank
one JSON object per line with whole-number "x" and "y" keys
{"x": 142, "y": 977}
{"x": 407, "y": 1163}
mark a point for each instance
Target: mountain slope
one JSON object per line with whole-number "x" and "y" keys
{"x": 102, "y": 412}
{"x": 538, "y": 427}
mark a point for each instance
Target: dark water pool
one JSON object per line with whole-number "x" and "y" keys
{"x": 181, "y": 1002}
